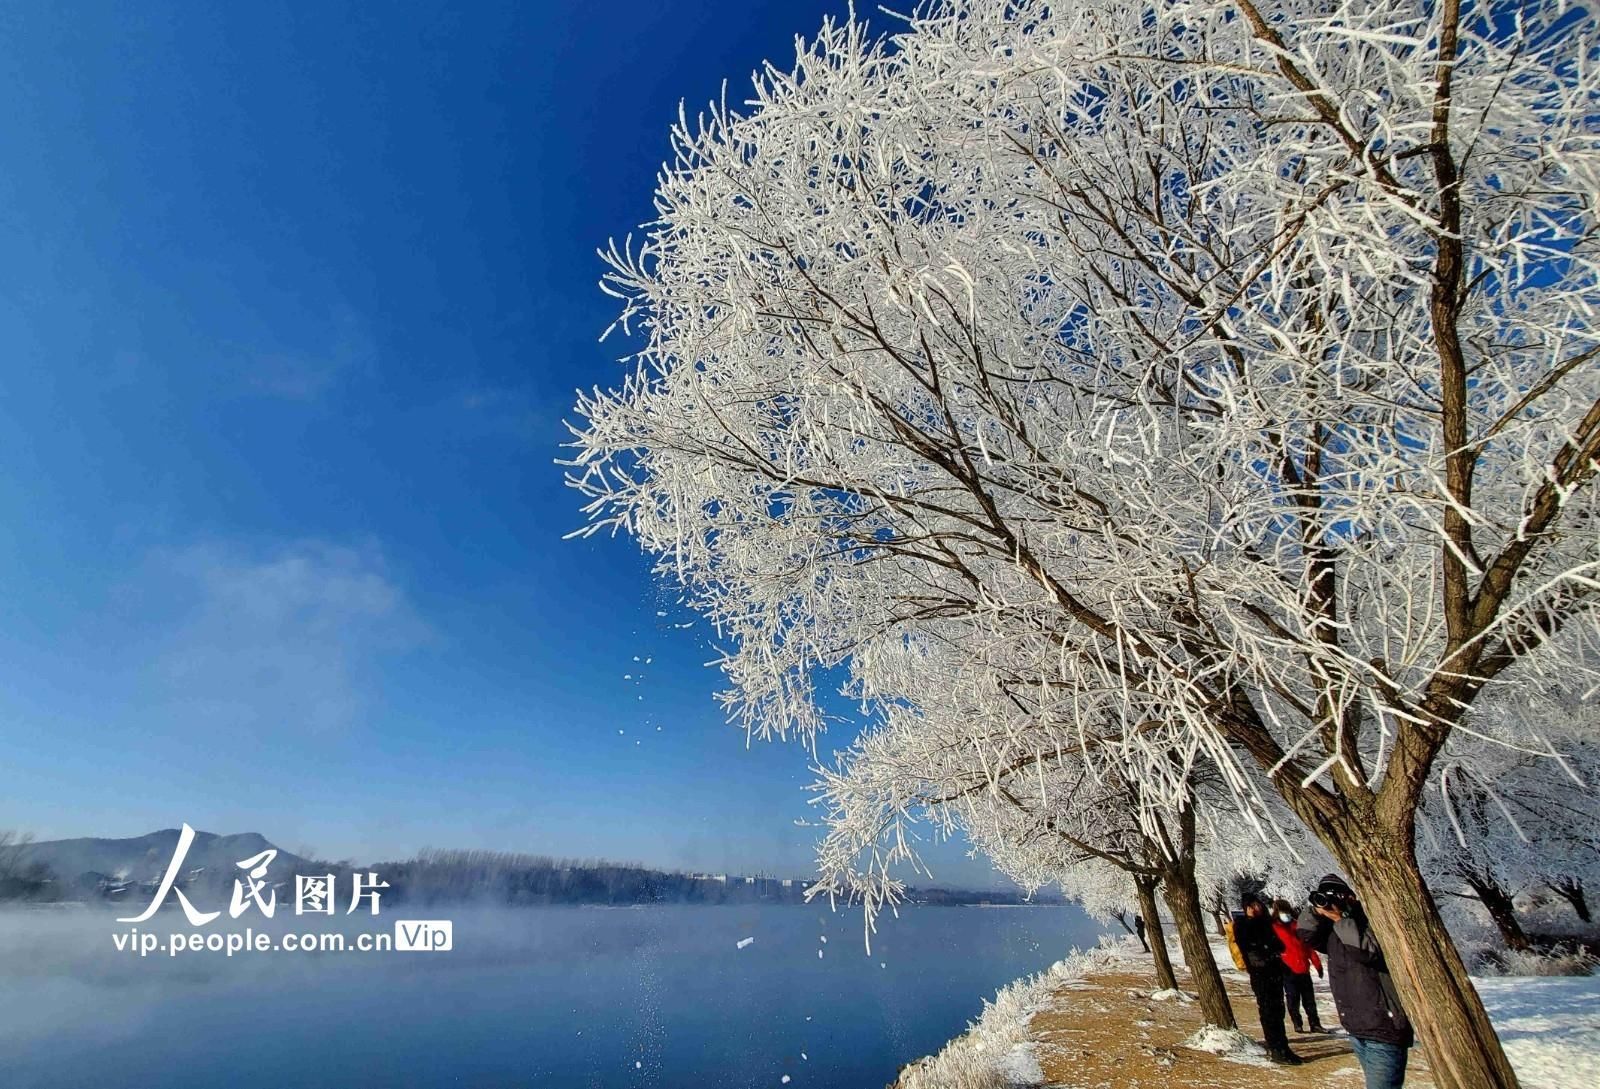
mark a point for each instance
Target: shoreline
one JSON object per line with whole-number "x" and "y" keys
{"x": 1094, "y": 1020}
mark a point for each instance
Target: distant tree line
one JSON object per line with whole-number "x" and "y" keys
{"x": 20, "y": 879}
{"x": 513, "y": 879}
{"x": 439, "y": 876}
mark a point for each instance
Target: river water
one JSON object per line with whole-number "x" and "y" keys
{"x": 564, "y": 997}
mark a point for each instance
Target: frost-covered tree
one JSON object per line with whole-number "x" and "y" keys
{"x": 965, "y": 759}
{"x": 1513, "y": 806}
{"x": 1572, "y": 889}
{"x": 1105, "y": 892}
{"x": 1099, "y": 887}
{"x": 1466, "y": 846}
{"x": 1100, "y": 861}
{"x": 1232, "y": 364}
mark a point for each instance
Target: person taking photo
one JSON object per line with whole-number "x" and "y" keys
{"x": 1369, "y": 1007}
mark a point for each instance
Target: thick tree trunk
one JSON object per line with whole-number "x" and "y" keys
{"x": 1155, "y": 934}
{"x": 1497, "y": 902}
{"x": 1570, "y": 889}
{"x": 1183, "y": 897}
{"x": 1463, "y": 1050}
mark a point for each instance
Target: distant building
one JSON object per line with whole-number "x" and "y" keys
{"x": 113, "y": 889}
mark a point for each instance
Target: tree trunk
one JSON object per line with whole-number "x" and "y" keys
{"x": 1122, "y": 919}
{"x": 1183, "y": 897}
{"x": 1570, "y": 889}
{"x": 1497, "y": 902}
{"x": 1155, "y": 934}
{"x": 1463, "y": 1050}
{"x": 1219, "y": 914}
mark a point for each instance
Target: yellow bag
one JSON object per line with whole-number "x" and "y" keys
{"x": 1233, "y": 947}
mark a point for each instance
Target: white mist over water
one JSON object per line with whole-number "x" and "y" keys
{"x": 605, "y": 997}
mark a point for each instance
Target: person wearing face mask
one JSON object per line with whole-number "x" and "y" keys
{"x": 1298, "y": 960}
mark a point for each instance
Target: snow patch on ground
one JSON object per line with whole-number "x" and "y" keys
{"x": 995, "y": 1052}
{"x": 1020, "y": 1066}
{"x": 1170, "y": 995}
{"x": 1549, "y": 1026}
{"x": 1228, "y": 1044}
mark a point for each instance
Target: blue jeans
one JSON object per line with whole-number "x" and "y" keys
{"x": 1384, "y": 1064}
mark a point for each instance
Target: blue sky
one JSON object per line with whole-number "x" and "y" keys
{"x": 293, "y": 301}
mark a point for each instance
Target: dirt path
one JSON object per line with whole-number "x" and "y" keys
{"x": 1107, "y": 1033}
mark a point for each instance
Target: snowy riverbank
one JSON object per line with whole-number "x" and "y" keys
{"x": 996, "y": 1051}
{"x": 1043, "y": 1030}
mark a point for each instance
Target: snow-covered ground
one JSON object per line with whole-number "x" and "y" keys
{"x": 1550, "y": 1026}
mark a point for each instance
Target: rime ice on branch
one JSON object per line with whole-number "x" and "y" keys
{"x": 1222, "y": 377}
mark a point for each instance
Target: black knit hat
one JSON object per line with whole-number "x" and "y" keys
{"x": 1249, "y": 898}
{"x": 1333, "y": 883}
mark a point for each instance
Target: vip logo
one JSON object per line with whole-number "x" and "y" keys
{"x": 423, "y": 935}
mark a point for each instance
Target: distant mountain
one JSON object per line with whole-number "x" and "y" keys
{"x": 122, "y": 869}
{"x": 145, "y": 858}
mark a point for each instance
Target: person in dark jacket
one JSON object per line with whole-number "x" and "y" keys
{"x": 1298, "y": 960}
{"x": 1334, "y": 924}
{"x": 1263, "y": 959}
{"x": 1138, "y": 928}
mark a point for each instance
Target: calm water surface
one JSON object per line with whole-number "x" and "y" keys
{"x": 581, "y": 997}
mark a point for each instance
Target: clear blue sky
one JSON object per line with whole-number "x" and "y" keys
{"x": 293, "y": 300}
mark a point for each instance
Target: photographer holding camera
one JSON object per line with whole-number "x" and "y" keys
{"x": 1369, "y": 1008}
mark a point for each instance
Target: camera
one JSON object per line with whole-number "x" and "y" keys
{"x": 1342, "y": 900}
